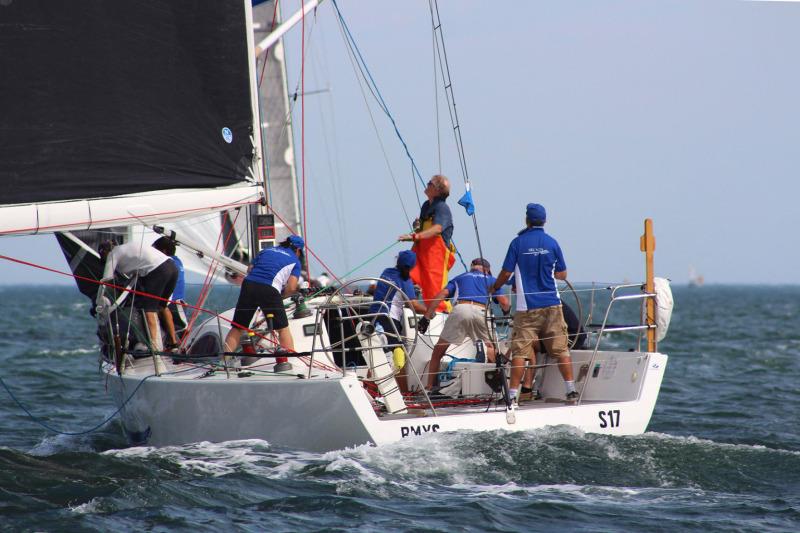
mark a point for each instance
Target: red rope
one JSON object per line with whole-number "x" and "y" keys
{"x": 266, "y": 52}
{"x": 303, "y": 127}
{"x": 310, "y": 251}
{"x": 306, "y": 360}
{"x": 207, "y": 282}
{"x": 132, "y": 291}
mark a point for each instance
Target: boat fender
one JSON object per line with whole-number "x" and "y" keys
{"x": 664, "y": 305}
{"x": 399, "y": 358}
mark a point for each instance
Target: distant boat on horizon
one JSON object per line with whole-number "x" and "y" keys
{"x": 695, "y": 279}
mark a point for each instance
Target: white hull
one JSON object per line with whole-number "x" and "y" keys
{"x": 326, "y": 413}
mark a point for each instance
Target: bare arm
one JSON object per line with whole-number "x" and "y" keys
{"x": 291, "y": 286}
{"x": 561, "y": 275}
{"x": 419, "y": 307}
{"x": 504, "y": 302}
{"x": 433, "y": 304}
{"x": 501, "y": 280}
{"x": 434, "y": 230}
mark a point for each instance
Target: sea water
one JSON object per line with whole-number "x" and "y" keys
{"x": 722, "y": 451}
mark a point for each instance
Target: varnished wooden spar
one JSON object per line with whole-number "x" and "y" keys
{"x": 647, "y": 244}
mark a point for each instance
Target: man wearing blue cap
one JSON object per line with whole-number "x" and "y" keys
{"x": 536, "y": 261}
{"x": 470, "y": 291}
{"x": 388, "y": 302}
{"x": 272, "y": 275}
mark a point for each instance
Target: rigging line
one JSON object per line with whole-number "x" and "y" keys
{"x": 448, "y": 85}
{"x": 71, "y": 433}
{"x": 208, "y": 282}
{"x": 303, "y": 130}
{"x": 368, "y": 76}
{"x": 364, "y": 263}
{"x": 436, "y": 97}
{"x": 266, "y": 52}
{"x": 132, "y": 291}
{"x": 444, "y": 65}
{"x": 310, "y": 251}
{"x": 334, "y": 178}
{"x": 378, "y": 136}
{"x": 331, "y": 145}
{"x": 376, "y": 92}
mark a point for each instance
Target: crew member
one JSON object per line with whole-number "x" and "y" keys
{"x": 167, "y": 246}
{"x": 432, "y": 241}
{"x": 272, "y": 275}
{"x": 535, "y": 259}
{"x": 389, "y": 303}
{"x": 156, "y": 279}
{"x": 470, "y": 291}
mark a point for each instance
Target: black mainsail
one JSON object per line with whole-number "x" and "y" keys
{"x": 110, "y": 98}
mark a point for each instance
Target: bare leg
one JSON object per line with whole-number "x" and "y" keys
{"x": 436, "y": 359}
{"x": 565, "y": 367}
{"x": 285, "y": 339}
{"x": 530, "y": 374}
{"x": 517, "y": 370}
{"x": 151, "y": 317}
{"x": 169, "y": 324}
{"x": 232, "y": 339}
{"x": 402, "y": 380}
{"x": 490, "y": 351}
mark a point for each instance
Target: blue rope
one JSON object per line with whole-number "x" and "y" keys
{"x": 365, "y": 72}
{"x": 373, "y": 87}
{"x": 77, "y": 433}
{"x": 447, "y": 375}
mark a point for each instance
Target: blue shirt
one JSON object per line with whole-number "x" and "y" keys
{"x": 386, "y": 293}
{"x": 534, "y": 257}
{"x": 180, "y": 286}
{"x": 437, "y": 212}
{"x": 473, "y": 285}
{"x": 274, "y": 266}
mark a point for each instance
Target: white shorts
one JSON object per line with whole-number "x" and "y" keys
{"x": 466, "y": 320}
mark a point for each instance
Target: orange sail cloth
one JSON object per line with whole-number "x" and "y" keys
{"x": 434, "y": 261}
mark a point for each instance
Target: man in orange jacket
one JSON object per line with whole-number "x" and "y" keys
{"x": 432, "y": 241}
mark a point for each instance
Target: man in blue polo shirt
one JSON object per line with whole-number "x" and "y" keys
{"x": 272, "y": 275}
{"x": 536, "y": 261}
{"x": 470, "y": 293}
{"x": 389, "y": 303}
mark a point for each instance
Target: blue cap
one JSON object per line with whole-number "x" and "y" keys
{"x": 297, "y": 241}
{"x": 536, "y": 212}
{"x": 407, "y": 258}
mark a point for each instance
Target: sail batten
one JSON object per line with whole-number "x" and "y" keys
{"x": 103, "y": 99}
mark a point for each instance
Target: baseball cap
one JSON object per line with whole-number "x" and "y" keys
{"x": 536, "y": 212}
{"x": 482, "y": 262}
{"x": 297, "y": 241}
{"x": 407, "y": 258}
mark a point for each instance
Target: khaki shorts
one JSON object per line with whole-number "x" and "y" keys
{"x": 546, "y": 324}
{"x": 466, "y": 320}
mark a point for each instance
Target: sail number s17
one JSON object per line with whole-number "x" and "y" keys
{"x": 609, "y": 418}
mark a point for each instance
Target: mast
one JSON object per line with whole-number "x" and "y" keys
{"x": 276, "y": 127}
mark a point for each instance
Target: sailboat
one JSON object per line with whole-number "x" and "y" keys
{"x": 155, "y": 126}
{"x": 695, "y": 279}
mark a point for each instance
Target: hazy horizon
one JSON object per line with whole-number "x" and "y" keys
{"x": 686, "y": 112}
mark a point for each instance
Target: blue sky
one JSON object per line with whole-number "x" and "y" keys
{"x": 605, "y": 112}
